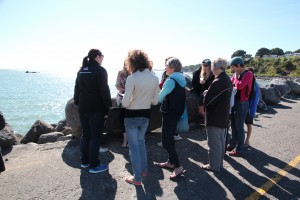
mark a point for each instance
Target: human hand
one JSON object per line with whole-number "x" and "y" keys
{"x": 205, "y": 92}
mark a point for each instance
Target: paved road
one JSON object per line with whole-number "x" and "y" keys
{"x": 51, "y": 171}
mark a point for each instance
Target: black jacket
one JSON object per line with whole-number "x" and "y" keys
{"x": 174, "y": 102}
{"x": 196, "y": 81}
{"x": 217, "y": 101}
{"x": 91, "y": 91}
{"x": 200, "y": 88}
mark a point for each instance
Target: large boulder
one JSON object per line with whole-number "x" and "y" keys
{"x": 37, "y": 129}
{"x": 269, "y": 95}
{"x": 192, "y": 100}
{"x": 281, "y": 86}
{"x": 49, "y": 137}
{"x": 295, "y": 86}
{"x": 7, "y": 137}
{"x": 72, "y": 118}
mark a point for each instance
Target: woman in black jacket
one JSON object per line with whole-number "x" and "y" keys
{"x": 202, "y": 78}
{"x": 92, "y": 95}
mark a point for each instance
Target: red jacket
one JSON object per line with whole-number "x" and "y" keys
{"x": 243, "y": 84}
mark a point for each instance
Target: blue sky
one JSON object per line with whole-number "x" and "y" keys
{"x": 57, "y": 34}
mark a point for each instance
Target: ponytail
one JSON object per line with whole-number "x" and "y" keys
{"x": 93, "y": 53}
{"x": 85, "y": 61}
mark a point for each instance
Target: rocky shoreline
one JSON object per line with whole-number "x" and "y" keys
{"x": 42, "y": 132}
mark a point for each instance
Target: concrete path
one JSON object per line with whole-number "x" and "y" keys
{"x": 269, "y": 170}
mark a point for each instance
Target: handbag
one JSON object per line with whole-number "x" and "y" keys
{"x": 115, "y": 119}
{"x": 183, "y": 123}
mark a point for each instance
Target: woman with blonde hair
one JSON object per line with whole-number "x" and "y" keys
{"x": 202, "y": 78}
{"x": 141, "y": 90}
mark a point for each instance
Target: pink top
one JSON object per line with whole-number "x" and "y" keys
{"x": 244, "y": 85}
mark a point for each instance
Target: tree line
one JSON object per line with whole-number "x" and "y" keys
{"x": 263, "y": 51}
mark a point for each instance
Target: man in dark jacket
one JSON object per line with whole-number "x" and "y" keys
{"x": 217, "y": 105}
{"x": 92, "y": 95}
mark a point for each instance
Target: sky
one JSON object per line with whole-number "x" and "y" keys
{"x": 57, "y": 34}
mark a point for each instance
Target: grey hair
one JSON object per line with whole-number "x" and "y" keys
{"x": 174, "y": 63}
{"x": 220, "y": 63}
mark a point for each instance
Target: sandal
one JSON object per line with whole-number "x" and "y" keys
{"x": 177, "y": 173}
{"x": 166, "y": 165}
{"x": 130, "y": 179}
{"x": 206, "y": 167}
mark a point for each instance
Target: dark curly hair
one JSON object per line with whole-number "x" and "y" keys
{"x": 138, "y": 60}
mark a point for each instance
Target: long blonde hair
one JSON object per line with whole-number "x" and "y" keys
{"x": 205, "y": 72}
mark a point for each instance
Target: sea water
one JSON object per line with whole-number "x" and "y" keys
{"x": 27, "y": 97}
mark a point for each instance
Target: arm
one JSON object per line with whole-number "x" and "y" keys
{"x": 129, "y": 87}
{"x": 246, "y": 79}
{"x": 155, "y": 96}
{"x": 104, "y": 89}
{"x": 167, "y": 89}
{"x": 213, "y": 94}
{"x": 76, "y": 92}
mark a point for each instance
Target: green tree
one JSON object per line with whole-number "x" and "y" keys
{"x": 276, "y": 51}
{"x": 240, "y": 53}
{"x": 262, "y": 51}
{"x": 288, "y": 52}
{"x": 297, "y": 51}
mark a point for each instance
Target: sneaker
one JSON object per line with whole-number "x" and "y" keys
{"x": 84, "y": 165}
{"x": 177, "y": 137}
{"x": 229, "y": 148}
{"x": 159, "y": 144}
{"x": 98, "y": 169}
{"x": 103, "y": 150}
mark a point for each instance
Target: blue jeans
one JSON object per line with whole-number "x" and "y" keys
{"x": 135, "y": 130}
{"x": 239, "y": 114}
{"x": 92, "y": 127}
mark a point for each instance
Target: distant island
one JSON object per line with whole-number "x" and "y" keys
{"x": 31, "y": 72}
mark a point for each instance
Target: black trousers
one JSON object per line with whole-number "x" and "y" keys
{"x": 92, "y": 128}
{"x": 169, "y": 124}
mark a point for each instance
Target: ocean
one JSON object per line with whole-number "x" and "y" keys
{"x": 27, "y": 97}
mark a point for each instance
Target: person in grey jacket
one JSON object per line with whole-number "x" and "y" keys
{"x": 217, "y": 105}
{"x": 92, "y": 95}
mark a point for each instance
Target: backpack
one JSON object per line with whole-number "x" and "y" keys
{"x": 253, "y": 96}
{"x": 253, "y": 89}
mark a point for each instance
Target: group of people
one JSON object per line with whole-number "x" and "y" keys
{"x": 139, "y": 88}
